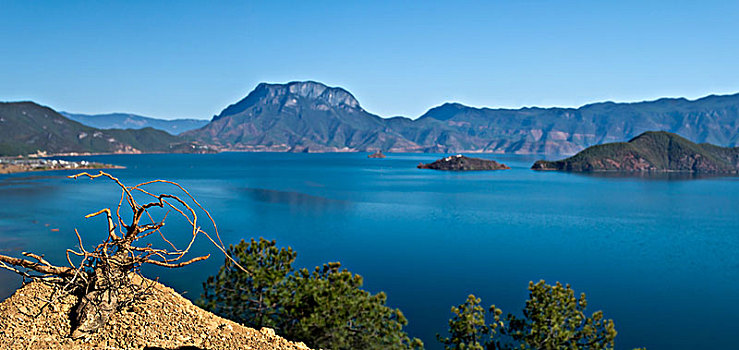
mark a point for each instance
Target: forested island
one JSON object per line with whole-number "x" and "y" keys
{"x": 653, "y": 151}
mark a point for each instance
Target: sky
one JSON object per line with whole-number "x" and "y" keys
{"x": 176, "y": 59}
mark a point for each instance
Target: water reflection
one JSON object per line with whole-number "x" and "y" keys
{"x": 652, "y": 176}
{"x": 292, "y": 198}
{"x": 25, "y": 179}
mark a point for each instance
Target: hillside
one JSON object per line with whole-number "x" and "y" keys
{"x": 163, "y": 320}
{"x": 650, "y": 152}
{"x": 310, "y": 116}
{"x": 133, "y": 121}
{"x": 26, "y": 127}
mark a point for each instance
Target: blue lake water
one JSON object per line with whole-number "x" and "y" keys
{"x": 659, "y": 256}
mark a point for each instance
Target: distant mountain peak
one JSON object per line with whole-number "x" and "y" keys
{"x": 445, "y": 111}
{"x": 290, "y": 94}
{"x": 133, "y": 121}
{"x": 334, "y": 96}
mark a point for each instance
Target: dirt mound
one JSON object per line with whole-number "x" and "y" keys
{"x": 162, "y": 320}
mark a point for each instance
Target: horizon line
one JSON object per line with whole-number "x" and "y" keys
{"x": 479, "y": 107}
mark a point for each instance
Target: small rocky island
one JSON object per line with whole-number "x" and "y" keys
{"x": 652, "y": 151}
{"x": 463, "y": 163}
{"x": 377, "y": 154}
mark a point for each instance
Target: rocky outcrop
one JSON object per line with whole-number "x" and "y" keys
{"x": 463, "y": 163}
{"x": 290, "y": 95}
{"x": 162, "y": 320}
{"x": 299, "y": 117}
{"x": 650, "y": 152}
{"x": 377, "y": 154}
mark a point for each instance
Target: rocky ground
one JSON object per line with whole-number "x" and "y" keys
{"x": 162, "y": 320}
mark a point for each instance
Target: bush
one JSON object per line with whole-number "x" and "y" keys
{"x": 254, "y": 298}
{"x": 325, "y": 308}
{"x": 467, "y": 328}
{"x": 552, "y": 319}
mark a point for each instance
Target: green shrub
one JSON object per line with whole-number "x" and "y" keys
{"x": 553, "y": 318}
{"x": 324, "y": 308}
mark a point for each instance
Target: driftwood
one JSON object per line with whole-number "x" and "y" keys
{"x": 101, "y": 274}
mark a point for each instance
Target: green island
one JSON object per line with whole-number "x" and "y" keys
{"x": 652, "y": 151}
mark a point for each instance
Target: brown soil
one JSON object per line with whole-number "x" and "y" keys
{"x": 162, "y": 320}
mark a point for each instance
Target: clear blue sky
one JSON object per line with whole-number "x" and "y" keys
{"x": 193, "y": 58}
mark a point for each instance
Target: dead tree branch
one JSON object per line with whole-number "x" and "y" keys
{"x": 104, "y": 272}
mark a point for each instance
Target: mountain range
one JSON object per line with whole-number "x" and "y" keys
{"x": 133, "y": 121}
{"x": 308, "y": 116}
{"x": 27, "y": 128}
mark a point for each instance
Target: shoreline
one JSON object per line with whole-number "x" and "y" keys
{"x": 14, "y": 166}
{"x": 241, "y": 150}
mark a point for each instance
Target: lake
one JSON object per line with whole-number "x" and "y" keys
{"x": 660, "y": 256}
